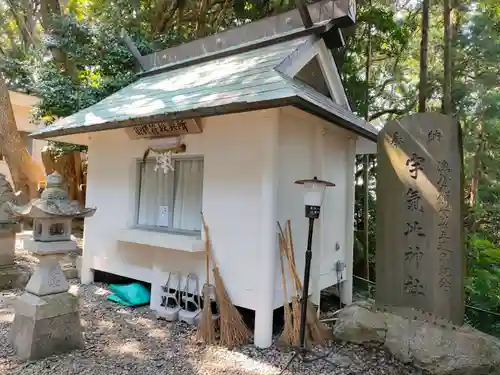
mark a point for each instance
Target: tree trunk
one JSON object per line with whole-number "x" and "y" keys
{"x": 201, "y": 21}
{"x": 50, "y": 9}
{"x": 447, "y": 101}
{"x": 366, "y": 160}
{"x": 165, "y": 16}
{"x": 424, "y": 43}
{"x": 26, "y": 173}
{"x": 476, "y": 168}
{"x": 19, "y": 18}
{"x": 78, "y": 177}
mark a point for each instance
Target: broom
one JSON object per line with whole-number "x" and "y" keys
{"x": 318, "y": 331}
{"x": 287, "y": 336}
{"x": 295, "y": 292}
{"x": 233, "y": 330}
{"x": 206, "y": 329}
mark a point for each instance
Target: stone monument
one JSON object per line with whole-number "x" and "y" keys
{"x": 47, "y": 317}
{"x": 420, "y": 258}
{"x": 9, "y": 226}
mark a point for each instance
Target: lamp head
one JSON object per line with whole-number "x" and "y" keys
{"x": 314, "y": 191}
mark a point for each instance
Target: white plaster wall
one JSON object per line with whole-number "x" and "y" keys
{"x": 308, "y": 147}
{"x": 365, "y": 146}
{"x": 233, "y": 154}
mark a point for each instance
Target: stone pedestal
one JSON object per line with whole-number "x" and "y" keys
{"x": 7, "y": 246}
{"x": 13, "y": 277}
{"x": 47, "y": 320}
{"x": 10, "y": 275}
{"x": 46, "y": 325}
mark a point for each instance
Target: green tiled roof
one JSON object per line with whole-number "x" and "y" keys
{"x": 236, "y": 83}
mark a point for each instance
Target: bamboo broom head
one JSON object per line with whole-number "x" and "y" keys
{"x": 316, "y": 332}
{"x": 206, "y": 329}
{"x": 233, "y": 330}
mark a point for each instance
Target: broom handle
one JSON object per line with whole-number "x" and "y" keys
{"x": 283, "y": 271}
{"x": 291, "y": 256}
{"x": 207, "y": 248}
{"x": 293, "y": 269}
{"x": 293, "y": 272}
{"x": 210, "y": 254}
{"x": 289, "y": 227}
{"x": 292, "y": 250}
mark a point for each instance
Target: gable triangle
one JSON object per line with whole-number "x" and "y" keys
{"x": 312, "y": 76}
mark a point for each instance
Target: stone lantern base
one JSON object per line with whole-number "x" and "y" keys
{"x": 44, "y": 326}
{"x": 7, "y": 246}
{"x": 9, "y": 274}
{"x": 47, "y": 319}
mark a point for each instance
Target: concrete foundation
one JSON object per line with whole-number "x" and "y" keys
{"x": 46, "y": 325}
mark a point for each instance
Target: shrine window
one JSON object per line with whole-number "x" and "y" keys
{"x": 170, "y": 201}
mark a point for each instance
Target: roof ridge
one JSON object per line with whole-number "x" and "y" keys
{"x": 241, "y": 48}
{"x": 271, "y": 26}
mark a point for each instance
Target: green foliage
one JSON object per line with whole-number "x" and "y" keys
{"x": 483, "y": 285}
{"x": 103, "y": 66}
{"x": 391, "y": 32}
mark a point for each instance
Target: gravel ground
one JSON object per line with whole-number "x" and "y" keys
{"x": 132, "y": 341}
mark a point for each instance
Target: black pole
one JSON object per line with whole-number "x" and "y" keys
{"x": 305, "y": 290}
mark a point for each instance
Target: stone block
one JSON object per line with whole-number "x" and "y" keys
{"x": 7, "y": 247}
{"x": 437, "y": 349}
{"x": 48, "y": 278}
{"x": 78, "y": 266}
{"x": 399, "y": 336}
{"x": 47, "y": 306}
{"x": 358, "y": 324}
{"x": 15, "y": 277}
{"x": 55, "y": 247}
{"x": 12, "y": 277}
{"x": 45, "y": 326}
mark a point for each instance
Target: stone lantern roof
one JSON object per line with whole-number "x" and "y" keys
{"x": 54, "y": 201}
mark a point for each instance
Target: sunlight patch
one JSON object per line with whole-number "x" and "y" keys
{"x": 159, "y": 333}
{"x": 6, "y": 316}
{"x": 101, "y": 292}
{"x": 131, "y": 348}
{"x": 238, "y": 362}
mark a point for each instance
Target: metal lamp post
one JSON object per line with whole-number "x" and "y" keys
{"x": 313, "y": 197}
{"x": 314, "y": 191}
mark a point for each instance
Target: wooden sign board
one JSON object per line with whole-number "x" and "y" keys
{"x": 164, "y": 129}
{"x": 420, "y": 260}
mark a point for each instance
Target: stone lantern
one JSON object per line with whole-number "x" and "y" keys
{"x": 47, "y": 317}
{"x": 9, "y": 226}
